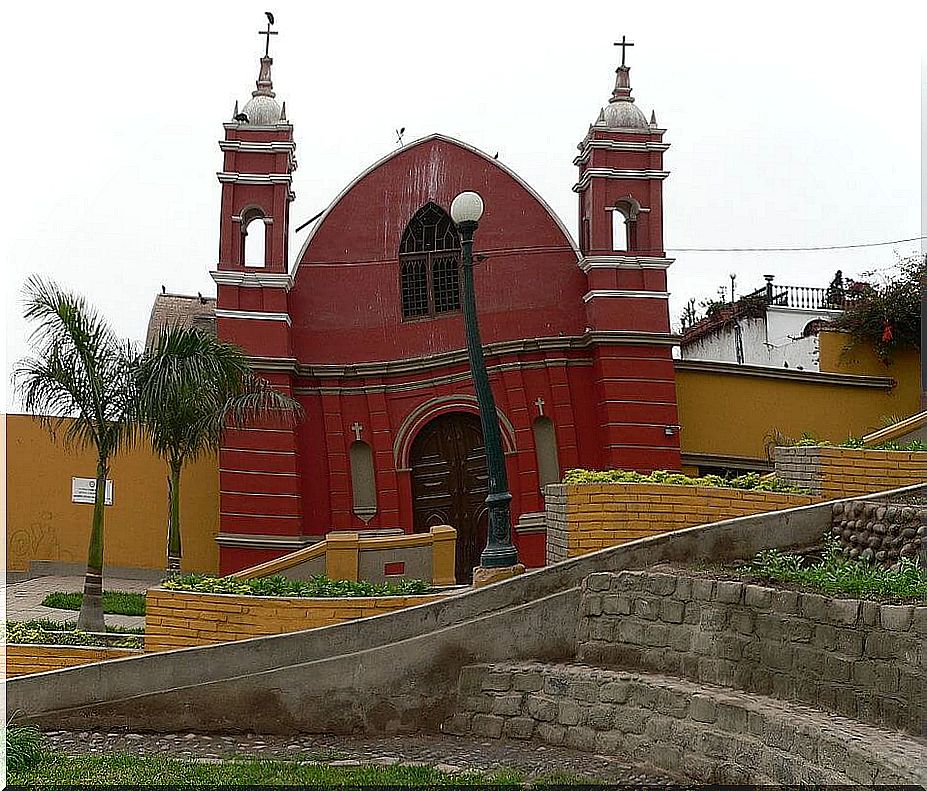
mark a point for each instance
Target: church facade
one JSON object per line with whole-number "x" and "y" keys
{"x": 367, "y": 333}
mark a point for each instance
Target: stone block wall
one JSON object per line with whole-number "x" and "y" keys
{"x": 178, "y": 619}
{"x": 858, "y": 658}
{"x": 582, "y": 518}
{"x": 880, "y": 532}
{"x": 22, "y": 659}
{"x": 849, "y": 472}
{"x": 684, "y": 728}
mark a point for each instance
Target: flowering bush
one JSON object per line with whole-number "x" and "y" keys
{"x": 886, "y": 312}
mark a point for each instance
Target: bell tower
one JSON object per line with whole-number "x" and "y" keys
{"x": 620, "y": 191}
{"x": 260, "y": 500}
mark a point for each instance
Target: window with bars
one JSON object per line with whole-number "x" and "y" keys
{"x": 429, "y": 256}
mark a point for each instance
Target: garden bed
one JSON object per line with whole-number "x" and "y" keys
{"x": 37, "y": 646}
{"x": 825, "y": 569}
{"x": 204, "y": 610}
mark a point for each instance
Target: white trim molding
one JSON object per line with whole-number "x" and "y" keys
{"x": 256, "y": 315}
{"x": 253, "y": 279}
{"x": 624, "y": 262}
{"x": 254, "y": 178}
{"x": 618, "y": 173}
{"x": 252, "y": 146}
{"x": 617, "y": 145}
{"x": 620, "y": 292}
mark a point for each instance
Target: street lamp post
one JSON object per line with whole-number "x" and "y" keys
{"x": 500, "y": 553}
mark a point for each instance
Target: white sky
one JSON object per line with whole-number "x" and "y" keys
{"x": 796, "y": 126}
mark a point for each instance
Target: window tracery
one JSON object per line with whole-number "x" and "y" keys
{"x": 429, "y": 257}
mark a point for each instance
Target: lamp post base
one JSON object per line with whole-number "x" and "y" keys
{"x": 487, "y": 576}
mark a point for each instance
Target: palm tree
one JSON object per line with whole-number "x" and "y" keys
{"x": 191, "y": 386}
{"x": 79, "y": 379}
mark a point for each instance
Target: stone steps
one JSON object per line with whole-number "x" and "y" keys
{"x": 694, "y": 730}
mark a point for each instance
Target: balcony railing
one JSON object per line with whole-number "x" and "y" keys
{"x": 807, "y": 297}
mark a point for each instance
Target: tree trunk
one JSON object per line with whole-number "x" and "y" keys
{"x": 90, "y": 618}
{"x": 173, "y": 531}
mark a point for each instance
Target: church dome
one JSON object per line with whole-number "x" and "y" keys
{"x": 262, "y": 110}
{"x": 621, "y": 112}
{"x": 622, "y": 115}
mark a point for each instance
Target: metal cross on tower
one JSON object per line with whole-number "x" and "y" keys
{"x": 623, "y": 44}
{"x": 268, "y": 33}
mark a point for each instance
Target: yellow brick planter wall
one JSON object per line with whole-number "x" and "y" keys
{"x": 582, "y": 518}
{"x": 28, "y": 658}
{"x": 846, "y": 471}
{"x": 177, "y": 619}
{"x": 849, "y": 472}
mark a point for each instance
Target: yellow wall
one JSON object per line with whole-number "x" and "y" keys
{"x": 23, "y": 659}
{"x": 608, "y": 514}
{"x": 43, "y": 523}
{"x": 731, "y": 413}
{"x": 177, "y": 619}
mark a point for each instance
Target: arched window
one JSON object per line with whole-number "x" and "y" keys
{"x": 545, "y": 446}
{"x": 363, "y": 484}
{"x": 253, "y": 238}
{"x": 619, "y": 230}
{"x": 429, "y": 256}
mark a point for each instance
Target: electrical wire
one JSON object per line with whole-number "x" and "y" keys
{"x": 503, "y": 252}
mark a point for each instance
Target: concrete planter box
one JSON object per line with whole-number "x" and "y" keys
{"x": 849, "y": 472}
{"x": 583, "y": 518}
{"x": 178, "y": 619}
{"x": 24, "y": 658}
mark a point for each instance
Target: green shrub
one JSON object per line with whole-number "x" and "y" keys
{"x": 25, "y": 747}
{"x": 835, "y": 574}
{"x": 51, "y": 633}
{"x": 751, "y": 481}
{"x": 319, "y": 586}
{"x": 114, "y": 602}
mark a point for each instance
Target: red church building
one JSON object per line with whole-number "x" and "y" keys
{"x": 366, "y": 332}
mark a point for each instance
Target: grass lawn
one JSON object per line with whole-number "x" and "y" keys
{"x": 114, "y": 602}
{"x": 124, "y": 769}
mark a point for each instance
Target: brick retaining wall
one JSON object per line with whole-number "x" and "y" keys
{"x": 848, "y": 472}
{"x": 177, "y": 619}
{"x": 582, "y": 518}
{"x": 858, "y": 658}
{"x": 22, "y": 659}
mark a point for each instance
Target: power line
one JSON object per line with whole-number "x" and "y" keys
{"x": 502, "y": 252}
{"x": 788, "y": 249}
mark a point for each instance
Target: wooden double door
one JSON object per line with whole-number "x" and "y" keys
{"x": 450, "y": 484}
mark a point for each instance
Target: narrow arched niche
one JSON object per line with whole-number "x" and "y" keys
{"x": 363, "y": 481}
{"x": 545, "y": 448}
{"x": 253, "y": 238}
{"x": 620, "y": 236}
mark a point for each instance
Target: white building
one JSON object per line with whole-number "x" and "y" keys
{"x": 775, "y": 326}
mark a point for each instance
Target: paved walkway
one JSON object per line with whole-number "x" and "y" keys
{"x": 24, "y": 599}
{"x": 451, "y": 754}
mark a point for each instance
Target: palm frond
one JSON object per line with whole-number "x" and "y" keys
{"x": 79, "y": 370}
{"x": 191, "y": 385}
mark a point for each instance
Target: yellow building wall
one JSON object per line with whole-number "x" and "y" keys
{"x": 43, "y": 524}
{"x": 728, "y": 412}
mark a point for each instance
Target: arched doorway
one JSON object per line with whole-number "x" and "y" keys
{"x": 450, "y": 484}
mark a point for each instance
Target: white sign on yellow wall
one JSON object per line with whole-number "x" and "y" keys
{"x": 84, "y": 490}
